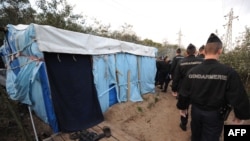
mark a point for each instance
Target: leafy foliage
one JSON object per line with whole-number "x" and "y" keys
{"x": 57, "y": 13}
{"x": 15, "y": 12}
{"x": 239, "y": 59}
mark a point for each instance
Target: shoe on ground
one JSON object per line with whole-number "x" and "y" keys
{"x": 164, "y": 91}
{"x": 183, "y": 127}
{"x": 75, "y": 135}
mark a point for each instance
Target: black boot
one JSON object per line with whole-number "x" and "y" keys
{"x": 184, "y": 121}
{"x": 183, "y": 127}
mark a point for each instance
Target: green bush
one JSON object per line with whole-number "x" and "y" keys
{"x": 239, "y": 60}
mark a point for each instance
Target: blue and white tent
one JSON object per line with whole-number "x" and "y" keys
{"x": 62, "y": 74}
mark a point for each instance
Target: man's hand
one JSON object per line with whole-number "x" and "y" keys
{"x": 237, "y": 121}
{"x": 183, "y": 113}
{"x": 174, "y": 94}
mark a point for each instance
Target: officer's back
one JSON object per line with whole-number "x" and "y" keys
{"x": 184, "y": 65}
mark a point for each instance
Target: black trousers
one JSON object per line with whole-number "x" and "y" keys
{"x": 205, "y": 125}
{"x": 161, "y": 78}
{"x": 166, "y": 82}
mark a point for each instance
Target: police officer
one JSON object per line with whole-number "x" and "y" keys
{"x": 180, "y": 72}
{"x": 164, "y": 67}
{"x": 166, "y": 72}
{"x": 201, "y": 52}
{"x": 209, "y": 86}
{"x": 175, "y": 61}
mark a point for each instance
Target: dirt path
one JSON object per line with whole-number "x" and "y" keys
{"x": 154, "y": 119}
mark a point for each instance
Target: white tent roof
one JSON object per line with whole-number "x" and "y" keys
{"x": 51, "y": 39}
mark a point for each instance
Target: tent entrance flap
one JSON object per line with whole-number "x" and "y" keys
{"x": 73, "y": 92}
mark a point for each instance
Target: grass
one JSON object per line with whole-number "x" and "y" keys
{"x": 139, "y": 109}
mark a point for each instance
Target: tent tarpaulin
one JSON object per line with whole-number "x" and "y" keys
{"x": 65, "y": 41}
{"x": 125, "y": 70}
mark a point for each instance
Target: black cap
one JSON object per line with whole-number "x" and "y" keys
{"x": 178, "y": 50}
{"x": 213, "y": 38}
{"x": 191, "y": 49}
{"x": 202, "y": 48}
{"x": 191, "y": 46}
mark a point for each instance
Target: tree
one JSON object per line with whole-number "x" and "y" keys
{"x": 57, "y": 13}
{"x": 239, "y": 59}
{"x": 246, "y": 41}
{"x": 15, "y": 12}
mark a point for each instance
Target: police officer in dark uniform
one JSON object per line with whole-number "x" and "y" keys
{"x": 181, "y": 70}
{"x": 157, "y": 70}
{"x": 201, "y": 52}
{"x": 174, "y": 63}
{"x": 164, "y": 67}
{"x": 208, "y": 87}
{"x": 166, "y": 72}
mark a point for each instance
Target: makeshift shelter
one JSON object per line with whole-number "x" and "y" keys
{"x": 70, "y": 79}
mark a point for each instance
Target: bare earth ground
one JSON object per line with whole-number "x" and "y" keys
{"x": 156, "y": 118}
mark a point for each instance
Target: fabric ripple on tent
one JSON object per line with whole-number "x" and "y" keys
{"x": 105, "y": 80}
{"x": 129, "y": 65}
{"x": 147, "y": 65}
{"x": 73, "y": 92}
{"x": 21, "y": 56}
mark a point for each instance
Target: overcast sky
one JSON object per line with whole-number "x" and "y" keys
{"x": 161, "y": 20}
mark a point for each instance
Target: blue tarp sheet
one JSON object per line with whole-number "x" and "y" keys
{"x": 113, "y": 70}
{"x": 26, "y": 80}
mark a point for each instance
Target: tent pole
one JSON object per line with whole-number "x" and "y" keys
{"x": 33, "y": 125}
{"x": 117, "y": 79}
{"x": 128, "y": 83}
{"x": 138, "y": 71}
